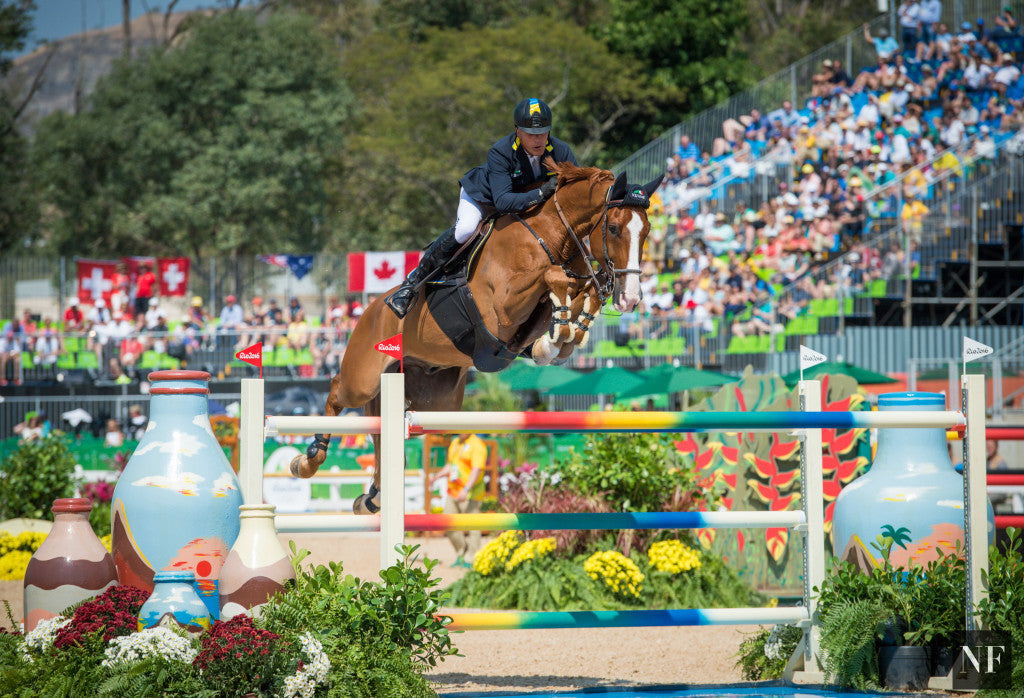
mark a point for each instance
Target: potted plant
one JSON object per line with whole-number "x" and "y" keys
{"x": 892, "y": 626}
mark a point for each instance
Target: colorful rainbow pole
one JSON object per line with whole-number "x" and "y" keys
{"x": 334, "y": 523}
{"x": 535, "y": 620}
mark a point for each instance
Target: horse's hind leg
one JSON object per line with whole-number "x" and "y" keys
{"x": 369, "y": 502}
{"x": 307, "y": 464}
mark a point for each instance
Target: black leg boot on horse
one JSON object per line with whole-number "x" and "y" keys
{"x": 434, "y": 257}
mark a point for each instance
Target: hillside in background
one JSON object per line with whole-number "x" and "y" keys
{"x": 78, "y": 61}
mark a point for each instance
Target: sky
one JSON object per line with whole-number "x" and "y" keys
{"x": 55, "y": 19}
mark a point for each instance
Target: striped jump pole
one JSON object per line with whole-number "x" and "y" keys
{"x": 535, "y": 620}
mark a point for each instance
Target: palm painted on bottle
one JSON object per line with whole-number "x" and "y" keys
{"x": 899, "y": 536}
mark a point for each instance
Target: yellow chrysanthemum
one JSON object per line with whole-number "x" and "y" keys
{"x": 530, "y": 550}
{"x": 673, "y": 556}
{"x": 14, "y": 564}
{"x": 495, "y": 554}
{"x": 618, "y": 572}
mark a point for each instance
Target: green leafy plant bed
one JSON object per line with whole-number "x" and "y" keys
{"x": 331, "y": 634}
{"x": 511, "y": 573}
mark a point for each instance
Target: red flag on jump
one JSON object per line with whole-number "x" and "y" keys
{"x": 252, "y": 355}
{"x": 392, "y": 346}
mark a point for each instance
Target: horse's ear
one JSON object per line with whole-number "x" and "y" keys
{"x": 653, "y": 185}
{"x": 618, "y": 188}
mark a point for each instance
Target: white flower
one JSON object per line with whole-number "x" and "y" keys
{"x": 313, "y": 672}
{"x": 151, "y": 642}
{"x": 41, "y": 637}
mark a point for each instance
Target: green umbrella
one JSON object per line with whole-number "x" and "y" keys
{"x": 603, "y": 381}
{"x": 668, "y": 378}
{"x": 528, "y": 376}
{"x": 860, "y": 374}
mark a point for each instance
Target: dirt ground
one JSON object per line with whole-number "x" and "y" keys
{"x": 525, "y": 661}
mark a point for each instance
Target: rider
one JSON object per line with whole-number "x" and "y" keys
{"x": 497, "y": 187}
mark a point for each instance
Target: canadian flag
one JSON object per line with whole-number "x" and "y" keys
{"x": 95, "y": 280}
{"x": 172, "y": 273}
{"x": 377, "y": 272}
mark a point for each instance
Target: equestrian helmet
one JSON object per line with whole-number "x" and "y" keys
{"x": 532, "y": 116}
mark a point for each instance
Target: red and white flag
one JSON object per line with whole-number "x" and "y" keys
{"x": 377, "y": 272}
{"x": 172, "y": 273}
{"x": 95, "y": 280}
{"x": 252, "y": 355}
{"x": 392, "y": 346}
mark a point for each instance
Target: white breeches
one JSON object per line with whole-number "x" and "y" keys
{"x": 468, "y": 217}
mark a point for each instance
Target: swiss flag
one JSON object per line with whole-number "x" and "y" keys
{"x": 172, "y": 274}
{"x": 95, "y": 280}
{"x": 252, "y": 355}
{"x": 377, "y": 272}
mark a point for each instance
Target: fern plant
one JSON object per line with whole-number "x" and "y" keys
{"x": 848, "y": 634}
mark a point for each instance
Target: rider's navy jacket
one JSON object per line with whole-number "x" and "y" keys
{"x": 502, "y": 182}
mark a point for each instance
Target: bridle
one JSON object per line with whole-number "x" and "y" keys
{"x": 602, "y": 274}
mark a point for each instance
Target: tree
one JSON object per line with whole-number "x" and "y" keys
{"x": 431, "y": 110}
{"x": 689, "y": 48}
{"x": 16, "y": 208}
{"x": 220, "y": 144}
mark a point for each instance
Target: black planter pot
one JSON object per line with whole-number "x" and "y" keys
{"x": 904, "y": 668}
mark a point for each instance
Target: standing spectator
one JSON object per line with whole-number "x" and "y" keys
{"x": 929, "y": 13}
{"x": 10, "y": 353}
{"x": 232, "y": 320}
{"x": 100, "y": 324}
{"x": 121, "y": 284}
{"x": 910, "y": 20}
{"x": 885, "y": 45}
{"x": 145, "y": 283}
{"x": 467, "y": 459}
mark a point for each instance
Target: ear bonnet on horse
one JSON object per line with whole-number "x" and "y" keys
{"x": 623, "y": 194}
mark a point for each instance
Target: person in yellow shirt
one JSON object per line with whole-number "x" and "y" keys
{"x": 467, "y": 458}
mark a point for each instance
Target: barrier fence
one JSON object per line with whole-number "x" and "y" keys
{"x": 396, "y": 424}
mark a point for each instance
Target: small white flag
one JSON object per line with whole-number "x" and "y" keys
{"x": 975, "y": 350}
{"x": 809, "y": 357}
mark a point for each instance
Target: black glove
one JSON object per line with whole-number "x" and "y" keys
{"x": 548, "y": 188}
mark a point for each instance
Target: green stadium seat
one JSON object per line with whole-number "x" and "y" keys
{"x": 86, "y": 359}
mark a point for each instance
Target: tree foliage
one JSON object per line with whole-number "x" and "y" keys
{"x": 222, "y": 143}
{"x": 16, "y": 209}
{"x": 430, "y": 111}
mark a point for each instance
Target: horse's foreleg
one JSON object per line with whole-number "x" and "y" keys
{"x": 307, "y": 464}
{"x": 561, "y": 291}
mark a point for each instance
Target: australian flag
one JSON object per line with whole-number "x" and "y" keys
{"x": 300, "y": 264}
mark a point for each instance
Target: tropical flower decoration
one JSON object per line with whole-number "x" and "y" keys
{"x": 618, "y": 572}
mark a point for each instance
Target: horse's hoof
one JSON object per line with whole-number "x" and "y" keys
{"x": 300, "y": 467}
{"x": 359, "y": 505}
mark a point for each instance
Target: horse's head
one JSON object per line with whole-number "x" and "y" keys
{"x": 626, "y": 229}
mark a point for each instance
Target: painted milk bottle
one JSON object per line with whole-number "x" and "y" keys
{"x": 911, "y": 494}
{"x": 174, "y": 602}
{"x": 257, "y": 566}
{"x": 176, "y": 504}
{"x": 70, "y": 566}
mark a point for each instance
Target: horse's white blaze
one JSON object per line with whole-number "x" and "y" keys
{"x": 630, "y": 294}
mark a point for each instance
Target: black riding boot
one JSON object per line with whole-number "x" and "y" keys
{"x": 434, "y": 257}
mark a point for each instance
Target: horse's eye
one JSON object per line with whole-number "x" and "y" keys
{"x": 614, "y": 229}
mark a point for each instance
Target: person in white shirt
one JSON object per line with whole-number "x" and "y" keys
{"x": 985, "y": 145}
{"x": 154, "y": 313}
{"x": 910, "y": 17}
{"x": 1007, "y": 73}
{"x": 976, "y": 73}
{"x": 929, "y": 13}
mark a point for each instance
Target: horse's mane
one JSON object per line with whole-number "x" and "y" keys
{"x": 567, "y": 172}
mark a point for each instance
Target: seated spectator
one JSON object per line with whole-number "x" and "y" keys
{"x": 721, "y": 237}
{"x": 885, "y": 45}
{"x": 694, "y": 321}
{"x": 113, "y": 437}
{"x": 297, "y": 335}
{"x": 821, "y": 82}
{"x": 232, "y": 322}
{"x": 74, "y": 321}
{"x": 137, "y": 422}
{"x": 687, "y": 151}
{"x": 1006, "y": 73}
{"x": 762, "y": 319}
{"x": 984, "y": 147}
{"x": 47, "y": 348}
{"x": 154, "y": 313}
{"x": 1006, "y": 24}
{"x": 100, "y": 325}
{"x": 11, "y": 346}
{"x": 976, "y": 74}
{"x": 132, "y": 348}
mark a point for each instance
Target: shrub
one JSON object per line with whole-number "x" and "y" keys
{"x": 763, "y": 655}
{"x": 34, "y": 475}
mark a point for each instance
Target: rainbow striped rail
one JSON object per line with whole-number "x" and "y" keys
{"x": 332, "y": 523}
{"x": 395, "y": 425}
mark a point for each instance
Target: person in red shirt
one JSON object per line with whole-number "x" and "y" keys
{"x": 145, "y": 282}
{"x": 73, "y": 318}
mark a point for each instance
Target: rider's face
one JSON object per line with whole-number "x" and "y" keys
{"x": 533, "y": 144}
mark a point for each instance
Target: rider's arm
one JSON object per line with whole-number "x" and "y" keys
{"x": 499, "y": 177}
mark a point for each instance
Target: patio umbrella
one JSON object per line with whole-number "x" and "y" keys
{"x": 668, "y": 378}
{"x": 604, "y": 381}
{"x": 862, "y": 375}
{"x": 533, "y": 377}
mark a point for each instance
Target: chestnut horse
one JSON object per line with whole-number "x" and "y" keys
{"x": 536, "y": 282}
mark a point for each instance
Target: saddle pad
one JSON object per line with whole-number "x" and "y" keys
{"x": 453, "y": 307}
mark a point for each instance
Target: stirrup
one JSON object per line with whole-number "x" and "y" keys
{"x": 402, "y": 300}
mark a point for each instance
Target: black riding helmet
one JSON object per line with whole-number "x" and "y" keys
{"x": 532, "y": 116}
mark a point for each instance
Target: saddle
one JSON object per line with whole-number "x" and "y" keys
{"x": 455, "y": 310}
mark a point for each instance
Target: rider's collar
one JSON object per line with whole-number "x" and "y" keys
{"x": 515, "y": 145}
